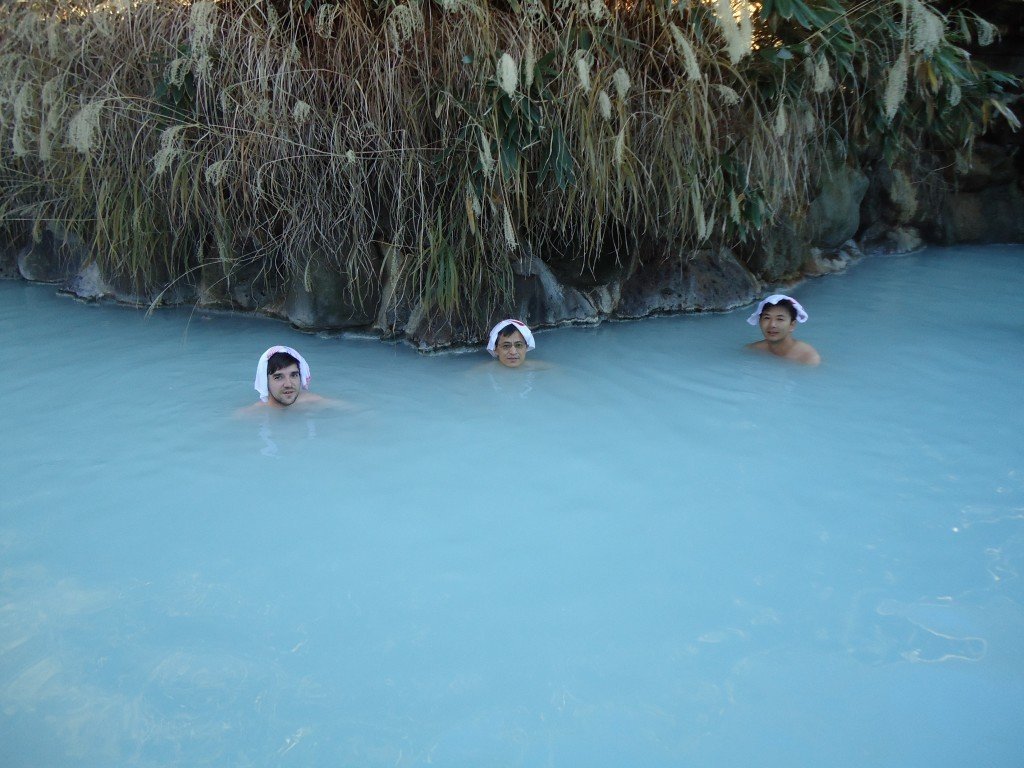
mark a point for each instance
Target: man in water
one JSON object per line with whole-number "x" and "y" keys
{"x": 282, "y": 376}
{"x": 777, "y": 316}
{"x": 509, "y": 342}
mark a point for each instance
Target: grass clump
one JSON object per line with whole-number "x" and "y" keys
{"x": 422, "y": 147}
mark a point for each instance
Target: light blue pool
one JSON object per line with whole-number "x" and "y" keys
{"x": 662, "y": 551}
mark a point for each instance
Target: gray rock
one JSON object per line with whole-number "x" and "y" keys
{"x": 882, "y": 239}
{"x": 395, "y": 313}
{"x": 88, "y": 284}
{"x": 329, "y": 299}
{"x": 777, "y": 252}
{"x": 989, "y": 166}
{"x": 54, "y": 258}
{"x": 834, "y": 215}
{"x": 708, "y": 280}
{"x": 540, "y": 299}
{"x": 9, "y": 263}
{"x": 991, "y": 215}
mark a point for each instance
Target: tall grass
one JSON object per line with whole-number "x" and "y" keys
{"x": 425, "y": 147}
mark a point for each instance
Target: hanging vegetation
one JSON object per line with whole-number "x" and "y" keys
{"x": 408, "y": 153}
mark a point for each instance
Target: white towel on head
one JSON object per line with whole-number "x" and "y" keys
{"x": 775, "y": 298}
{"x": 261, "y": 370}
{"x": 520, "y": 326}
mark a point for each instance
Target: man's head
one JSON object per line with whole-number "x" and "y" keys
{"x": 281, "y": 375}
{"x": 509, "y": 342}
{"x": 284, "y": 380}
{"x": 511, "y": 347}
{"x": 777, "y": 321}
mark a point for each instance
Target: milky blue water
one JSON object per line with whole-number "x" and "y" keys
{"x": 662, "y": 550}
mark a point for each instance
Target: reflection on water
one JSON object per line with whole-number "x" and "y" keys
{"x": 657, "y": 550}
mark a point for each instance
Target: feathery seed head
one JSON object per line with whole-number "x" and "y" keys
{"x": 729, "y": 96}
{"x": 201, "y": 66}
{"x": 508, "y": 74}
{"x": 583, "y": 70}
{"x": 529, "y": 64}
{"x": 84, "y": 126}
{"x": 822, "y": 76}
{"x": 217, "y": 172}
{"x": 404, "y": 21}
{"x": 955, "y": 94}
{"x": 326, "y": 15}
{"x": 301, "y": 112}
{"x": 486, "y": 158}
{"x": 177, "y": 70}
{"x": 686, "y": 50}
{"x": 54, "y": 44}
{"x": 986, "y": 32}
{"x": 739, "y": 36}
{"x": 22, "y": 113}
{"x": 201, "y": 25}
{"x": 927, "y": 27}
{"x": 698, "y": 212}
{"x": 510, "y": 231}
{"x": 781, "y": 124}
{"x": 170, "y": 148}
{"x": 604, "y": 104}
{"x": 273, "y": 20}
{"x": 895, "y": 86}
{"x": 619, "y": 152}
{"x": 621, "y": 80}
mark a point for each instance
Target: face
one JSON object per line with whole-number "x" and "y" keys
{"x": 284, "y": 385}
{"x": 511, "y": 349}
{"x": 776, "y": 324}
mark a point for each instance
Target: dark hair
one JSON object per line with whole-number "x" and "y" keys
{"x": 280, "y": 360}
{"x": 508, "y": 330}
{"x": 783, "y": 303}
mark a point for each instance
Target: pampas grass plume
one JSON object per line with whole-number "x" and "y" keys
{"x": 83, "y": 127}
{"x": 896, "y": 86}
{"x": 729, "y": 96}
{"x": 619, "y": 153}
{"x": 689, "y": 59}
{"x": 927, "y": 27}
{"x": 510, "y": 231}
{"x": 508, "y": 74}
{"x": 486, "y": 158}
{"x": 583, "y": 70}
{"x": 529, "y": 64}
{"x": 781, "y": 123}
{"x": 621, "y": 80}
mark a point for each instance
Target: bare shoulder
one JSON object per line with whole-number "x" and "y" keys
{"x": 806, "y": 354}
{"x": 312, "y": 400}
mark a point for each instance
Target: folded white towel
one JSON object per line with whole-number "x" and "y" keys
{"x": 775, "y": 298}
{"x": 521, "y": 327}
{"x": 261, "y": 370}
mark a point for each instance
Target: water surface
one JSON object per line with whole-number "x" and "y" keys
{"x": 662, "y": 550}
